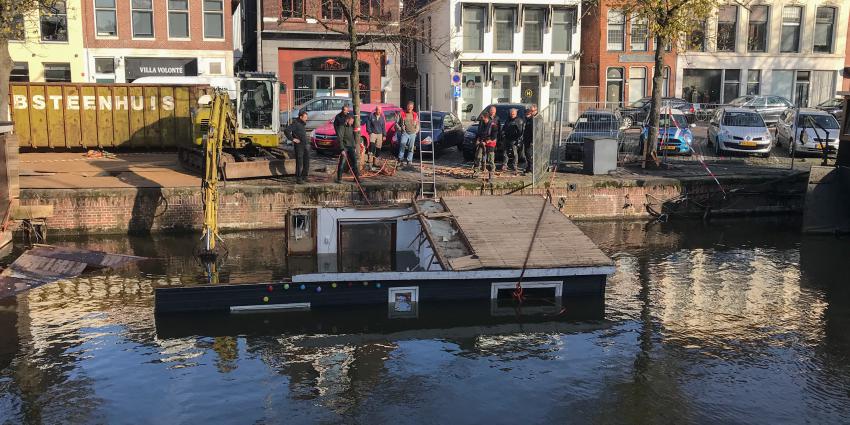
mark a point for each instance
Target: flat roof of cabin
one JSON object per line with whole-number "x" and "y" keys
{"x": 494, "y": 232}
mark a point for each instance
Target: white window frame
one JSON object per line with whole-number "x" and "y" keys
{"x": 799, "y": 26}
{"x": 543, "y": 28}
{"x": 734, "y": 23}
{"x": 41, "y": 16}
{"x": 114, "y": 14}
{"x": 834, "y": 27}
{"x": 392, "y": 313}
{"x": 621, "y": 24}
{"x": 483, "y": 24}
{"x": 188, "y": 20}
{"x": 496, "y": 32}
{"x": 152, "y": 12}
{"x": 204, "y": 14}
{"x": 570, "y": 27}
{"x": 645, "y": 47}
{"x": 766, "y": 31}
{"x": 645, "y": 85}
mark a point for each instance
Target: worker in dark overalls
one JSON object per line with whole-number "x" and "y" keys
{"x": 348, "y": 145}
{"x": 297, "y": 132}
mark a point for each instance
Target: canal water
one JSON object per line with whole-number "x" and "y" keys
{"x": 729, "y": 322}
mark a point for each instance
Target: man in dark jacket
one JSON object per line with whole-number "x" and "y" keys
{"x": 528, "y": 138}
{"x": 485, "y": 151}
{"x": 348, "y": 144}
{"x": 297, "y": 132}
{"x": 376, "y": 127}
{"x": 339, "y": 119}
{"x": 512, "y": 133}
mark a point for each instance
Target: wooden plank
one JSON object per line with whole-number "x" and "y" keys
{"x": 120, "y": 116}
{"x": 135, "y": 97}
{"x": 167, "y": 125}
{"x": 43, "y": 269}
{"x": 38, "y": 117}
{"x": 151, "y": 110}
{"x": 182, "y": 119}
{"x": 92, "y": 258}
{"x": 88, "y": 120}
{"x": 20, "y": 113}
{"x": 55, "y": 117}
{"x": 73, "y": 132}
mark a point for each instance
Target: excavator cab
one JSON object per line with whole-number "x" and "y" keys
{"x": 258, "y": 109}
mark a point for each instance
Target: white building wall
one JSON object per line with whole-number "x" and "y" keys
{"x": 446, "y": 19}
{"x": 205, "y": 57}
{"x": 772, "y": 60}
{"x": 328, "y": 218}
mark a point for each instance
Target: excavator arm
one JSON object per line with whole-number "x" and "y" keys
{"x": 222, "y": 131}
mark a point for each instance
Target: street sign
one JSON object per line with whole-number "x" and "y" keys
{"x": 456, "y": 80}
{"x": 455, "y": 92}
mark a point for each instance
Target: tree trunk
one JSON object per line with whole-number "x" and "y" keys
{"x": 5, "y": 71}
{"x": 655, "y": 107}
{"x": 355, "y": 65}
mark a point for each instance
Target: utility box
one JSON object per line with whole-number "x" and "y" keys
{"x": 600, "y": 155}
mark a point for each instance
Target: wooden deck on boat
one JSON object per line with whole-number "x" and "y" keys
{"x": 497, "y": 231}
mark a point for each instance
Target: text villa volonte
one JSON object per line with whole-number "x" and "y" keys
{"x": 75, "y": 102}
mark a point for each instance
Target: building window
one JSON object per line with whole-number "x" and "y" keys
{"x": 142, "y": 18}
{"x": 428, "y": 37}
{"x": 665, "y": 88}
{"x": 563, "y": 25}
{"x": 753, "y": 82}
{"x": 616, "y": 30}
{"x": 640, "y": 34}
{"x": 213, "y": 19}
{"x": 614, "y": 87}
{"x": 637, "y": 83}
{"x": 292, "y": 9}
{"x": 105, "y": 18}
{"x": 370, "y": 9}
{"x": 20, "y": 72}
{"x": 57, "y": 72}
{"x": 18, "y": 31}
{"x": 104, "y": 70}
{"x": 824, "y": 28}
{"x": 702, "y": 85}
{"x": 504, "y": 30}
{"x": 727, "y": 28}
{"x": 757, "y": 31}
{"x": 731, "y": 84}
{"x": 696, "y": 39}
{"x": 801, "y": 89}
{"x": 473, "y": 28}
{"x": 178, "y": 18}
{"x": 54, "y": 22}
{"x": 791, "y": 17}
{"x": 532, "y": 28}
{"x": 332, "y": 10}
{"x": 503, "y": 81}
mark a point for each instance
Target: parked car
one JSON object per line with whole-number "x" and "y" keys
{"x": 324, "y": 137}
{"x": 736, "y": 129}
{"x": 769, "y": 107}
{"x": 503, "y": 111}
{"x": 834, "y": 107}
{"x": 674, "y": 135}
{"x": 593, "y": 122}
{"x": 438, "y": 129}
{"x": 319, "y": 110}
{"x": 636, "y": 113}
{"x": 807, "y": 131}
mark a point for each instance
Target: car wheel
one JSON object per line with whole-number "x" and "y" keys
{"x": 628, "y": 122}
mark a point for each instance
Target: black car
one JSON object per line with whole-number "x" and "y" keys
{"x": 442, "y": 130}
{"x": 503, "y": 111}
{"x": 834, "y": 107}
{"x": 636, "y": 113}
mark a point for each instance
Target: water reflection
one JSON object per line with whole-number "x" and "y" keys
{"x": 732, "y": 321}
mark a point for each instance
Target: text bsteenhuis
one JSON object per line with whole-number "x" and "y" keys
{"x": 88, "y": 103}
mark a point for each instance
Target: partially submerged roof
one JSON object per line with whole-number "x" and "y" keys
{"x": 495, "y": 232}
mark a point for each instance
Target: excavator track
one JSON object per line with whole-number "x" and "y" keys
{"x": 242, "y": 163}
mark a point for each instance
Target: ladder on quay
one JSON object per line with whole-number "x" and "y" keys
{"x": 427, "y": 167}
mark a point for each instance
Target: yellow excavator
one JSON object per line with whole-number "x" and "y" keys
{"x": 252, "y": 147}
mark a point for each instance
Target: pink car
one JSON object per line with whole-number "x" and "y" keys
{"x": 324, "y": 137}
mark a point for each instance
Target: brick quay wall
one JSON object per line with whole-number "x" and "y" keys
{"x": 253, "y": 205}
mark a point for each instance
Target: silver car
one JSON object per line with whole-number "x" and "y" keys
{"x": 807, "y": 131}
{"x": 769, "y": 107}
{"x": 319, "y": 110}
{"x": 739, "y": 130}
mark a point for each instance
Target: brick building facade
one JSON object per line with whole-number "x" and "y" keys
{"x": 125, "y": 40}
{"x": 311, "y": 60}
{"x": 617, "y": 61}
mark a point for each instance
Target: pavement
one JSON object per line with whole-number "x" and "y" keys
{"x": 78, "y": 170}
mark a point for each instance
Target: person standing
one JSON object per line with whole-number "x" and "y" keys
{"x": 339, "y": 119}
{"x": 528, "y": 138}
{"x": 408, "y": 127}
{"x": 512, "y": 133}
{"x": 297, "y": 132}
{"x": 488, "y": 134}
{"x": 376, "y": 127}
{"x": 349, "y": 156}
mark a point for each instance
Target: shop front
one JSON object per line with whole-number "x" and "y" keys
{"x": 306, "y": 74}
{"x": 137, "y": 67}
